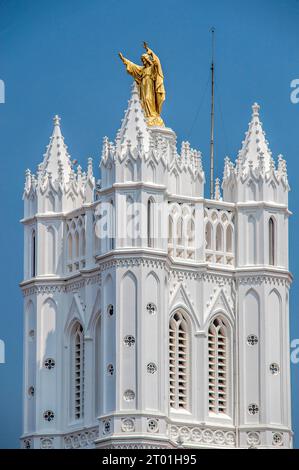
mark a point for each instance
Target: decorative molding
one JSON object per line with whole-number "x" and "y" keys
{"x": 221, "y": 280}
{"x": 200, "y": 435}
{"x": 131, "y": 262}
{"x": 27, "y": 444}
{"x": 220, "y": 300}
{"x": 253, "y": 438}
{"x": 128, "y": 425}
{"x": 274, "y": 280}
{"x": 144, "y": 445}
{"x": 81, "y": 439}
{"x": 51, "y": 288}
{"x": 47, "y": 442}
{"x": 277, "y": 439}
{"x": 152, "y": 425}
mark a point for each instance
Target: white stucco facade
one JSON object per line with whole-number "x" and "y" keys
{"x": 179, "y": 336}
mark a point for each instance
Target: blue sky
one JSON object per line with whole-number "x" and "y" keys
{"x": 60, "y": 57}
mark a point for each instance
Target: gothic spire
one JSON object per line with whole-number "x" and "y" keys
{"x": 134, "y": 127}
{"x": 57, "y": 159}
{"x": 255, "y": 146}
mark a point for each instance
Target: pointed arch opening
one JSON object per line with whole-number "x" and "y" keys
{"x": 209, "y": 230}
{"x": 191, "y": 232}
{"x": 218, "y": 364}
{"x": 51, "y": 251}
{"x": 179, "y": 230}
{"x": 251, "y": 241}
{"x": 111, "y": 226}
{"x": 219, "y": 238}
{"x": 33, "y": 254}
{"x": 98, "y": 367}
{"x": 179, "y": 361}
{"x": 77, "y": 245}
{"x": 77, "y": 372}
{"x": 150, "y": 223}
{"x": 130, "y": 221}
{"x": 70, "y": 246}
{"x": 272, "y": 241}
{"x": 83, "y": 243}
{"x": 170, "y": 229}
{"x": 229, "y": 239}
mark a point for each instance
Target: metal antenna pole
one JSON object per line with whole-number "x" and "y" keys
{"x": 212, "y": 122}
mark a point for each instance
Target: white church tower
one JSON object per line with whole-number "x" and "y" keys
{"x": 153, "y": 317}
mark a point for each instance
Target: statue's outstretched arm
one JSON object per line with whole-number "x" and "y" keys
{"x": 155, "y": 58}
{"x": 125, "y": 61}
{"x": 133, "y": 69}
{"x": 150, "y": 52}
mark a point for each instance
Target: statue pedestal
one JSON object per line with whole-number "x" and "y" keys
{"x": 164, "y": 132}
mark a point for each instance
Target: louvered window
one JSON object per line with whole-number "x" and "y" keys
{"x": 218, "y": 366}
{"x": 178, "y": 362}
{"x": 77, "y": 372}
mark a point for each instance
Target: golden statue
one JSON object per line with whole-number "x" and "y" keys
{"x": 149, "y": 79}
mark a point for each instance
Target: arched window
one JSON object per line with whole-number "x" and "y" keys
{"x": 98, "y": 368}
{"x": 218, "y": 366}
{"x": 191, "y": 232}
{"x": 51, "y": 251}
{"x": 271, "y": 241}
{"x": 209, "y": 236}
{"x": 33, "y": 254}
{"x": 170, "y": 229}
{"x": 83, "y": 243}
{"x": 251, "y": 241}
{"x": 219, "y": 238}
{"x": 77, "y": 372}
{"x": 76, "y": 245}
{"x": 179, "y": 228}
{"x": 150, "y": 223}
{"x": 112, "y": 226}
{"x": 70, "y": 246}
{"x": 229, "y": 239}
{"x": 130, "y": 222}
{"x": 179, "y": 360}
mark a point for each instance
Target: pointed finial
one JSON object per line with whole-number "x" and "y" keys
{"x": 56, "y": 120}
{"x": 217, "y": 190}
{"x": 255, "y": 109}
{"x": 89, "y": 168}
{"x": 27, "y": 179}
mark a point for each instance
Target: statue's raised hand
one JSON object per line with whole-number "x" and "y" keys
{"x": 121, "y": 56}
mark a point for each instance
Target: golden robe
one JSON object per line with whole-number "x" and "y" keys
{"x": 150, "y": 81}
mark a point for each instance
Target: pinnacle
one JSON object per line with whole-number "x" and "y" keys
{"x": 255, "y": 109}
{"x": 56, "y": 159}
{"x": 56, "y": 120}
{"x": 134, "y": 126}
{"x": 255, "y": 144}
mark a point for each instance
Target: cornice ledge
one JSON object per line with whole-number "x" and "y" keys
{"x": 45, "y": 287}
